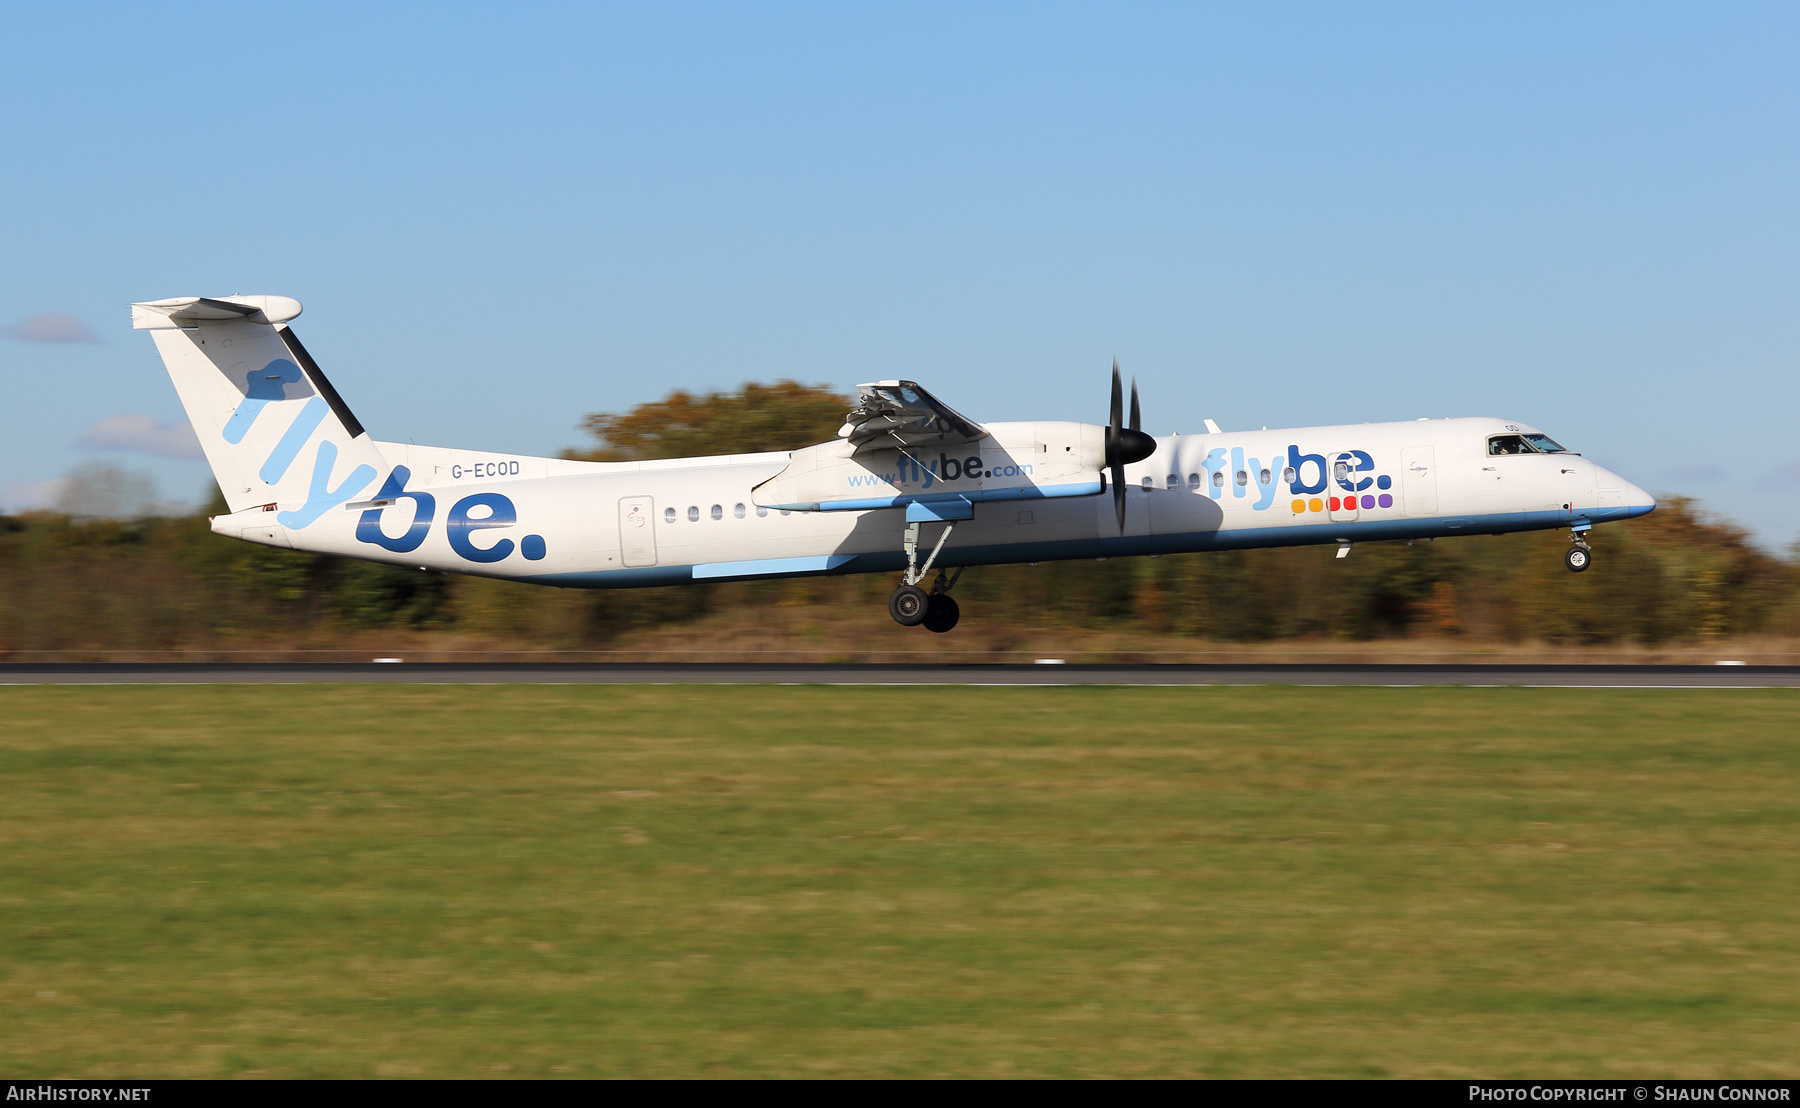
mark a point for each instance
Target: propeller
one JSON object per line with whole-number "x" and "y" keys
{"x": 1124, "y": 445}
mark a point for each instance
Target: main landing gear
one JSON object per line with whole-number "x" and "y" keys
{"x": 912, "y": 606}
{"x": 1580, "y": 555}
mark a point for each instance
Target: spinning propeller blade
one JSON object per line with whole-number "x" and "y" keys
{"x": 1124, "y": 445}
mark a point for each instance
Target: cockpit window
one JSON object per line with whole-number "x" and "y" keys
{"x": 1524, "y": 444}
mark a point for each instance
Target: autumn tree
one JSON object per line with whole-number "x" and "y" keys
{"x": 783, "y": 416}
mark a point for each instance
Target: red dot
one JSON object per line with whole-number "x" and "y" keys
{"x": 1336, "y": 503}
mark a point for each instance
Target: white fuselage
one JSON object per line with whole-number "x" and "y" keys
{"x": 630, "y": 524}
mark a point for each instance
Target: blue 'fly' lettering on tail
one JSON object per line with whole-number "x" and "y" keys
{"x": 320, "y": 497}
{"x": 305, "y": 423}
{"x": 260, "y": 386}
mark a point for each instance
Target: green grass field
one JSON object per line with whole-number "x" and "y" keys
{"x": 586, "y": 880}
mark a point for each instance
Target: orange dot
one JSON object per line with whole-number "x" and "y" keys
{"x": 1316, "y": 504}
{"x": 1299, "y": 506}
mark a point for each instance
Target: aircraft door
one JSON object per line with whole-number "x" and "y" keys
{"x": 1341, "y": 503}
{"x": 1418, "y": 480}
{"x": 637, "y": 531}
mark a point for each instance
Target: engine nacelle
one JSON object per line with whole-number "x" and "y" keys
{"x": 1013, "y": 461}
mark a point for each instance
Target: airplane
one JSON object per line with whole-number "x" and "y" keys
{"x": 909, "y": 485}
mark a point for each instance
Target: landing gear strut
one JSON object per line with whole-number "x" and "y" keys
{"x": 1580, "y": 555}
{"x": 911, "y": 605}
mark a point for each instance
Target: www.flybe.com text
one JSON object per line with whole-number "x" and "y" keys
{"x": 941, "y": 469}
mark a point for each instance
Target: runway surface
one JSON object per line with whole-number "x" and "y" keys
{"x": 601, "y": 673}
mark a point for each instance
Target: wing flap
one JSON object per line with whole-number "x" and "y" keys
{"x": 900, "y": 413}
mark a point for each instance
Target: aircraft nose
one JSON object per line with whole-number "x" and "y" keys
{"x": 1639, "y": 502}
{"x": 1632, "y": 498}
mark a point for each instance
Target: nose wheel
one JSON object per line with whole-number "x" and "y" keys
{"x": 1578, "y": 557}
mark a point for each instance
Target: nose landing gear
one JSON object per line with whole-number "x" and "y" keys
{"x": 1579, "y": 555}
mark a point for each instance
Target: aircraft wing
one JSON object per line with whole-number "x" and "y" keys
{"x": 900, "y": 413}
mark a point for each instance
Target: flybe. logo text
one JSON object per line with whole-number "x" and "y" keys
{"x": 467, "y": 518}
{"x": 1349, "y": 478}
{"x": 941, "y": 470}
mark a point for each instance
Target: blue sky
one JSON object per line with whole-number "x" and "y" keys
{"x": 503, "y": 217}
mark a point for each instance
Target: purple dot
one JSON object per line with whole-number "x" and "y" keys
{"x": 1386, "y": 500}
{"x": 1368, "y": 502}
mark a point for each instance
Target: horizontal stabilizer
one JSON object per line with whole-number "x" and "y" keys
{"x": 183, "y": 312}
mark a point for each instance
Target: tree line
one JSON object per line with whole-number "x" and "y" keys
{"x": 73, "y": 581}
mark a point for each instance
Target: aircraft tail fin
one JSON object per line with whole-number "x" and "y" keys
{"x": 274, "y": 430}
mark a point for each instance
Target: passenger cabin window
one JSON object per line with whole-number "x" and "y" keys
{"x": 1148, "y": 483}
{"x": 1508, "y": 444}
{"x": 1193, "y": 480}
{"x": 1262, "y": 478}
{"x": 1218, "y": 478}
{"x": 761, "y": 512}
{"x": 737, "y": 511}
{"x": 718, "y": 512}
{"x": 693, "y": 514}
{"x": 1289, "y": 475}
{"x": 1243, "y": 478}
{"x": 1174, "y": 481}
{"x": 668, "y": 515}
